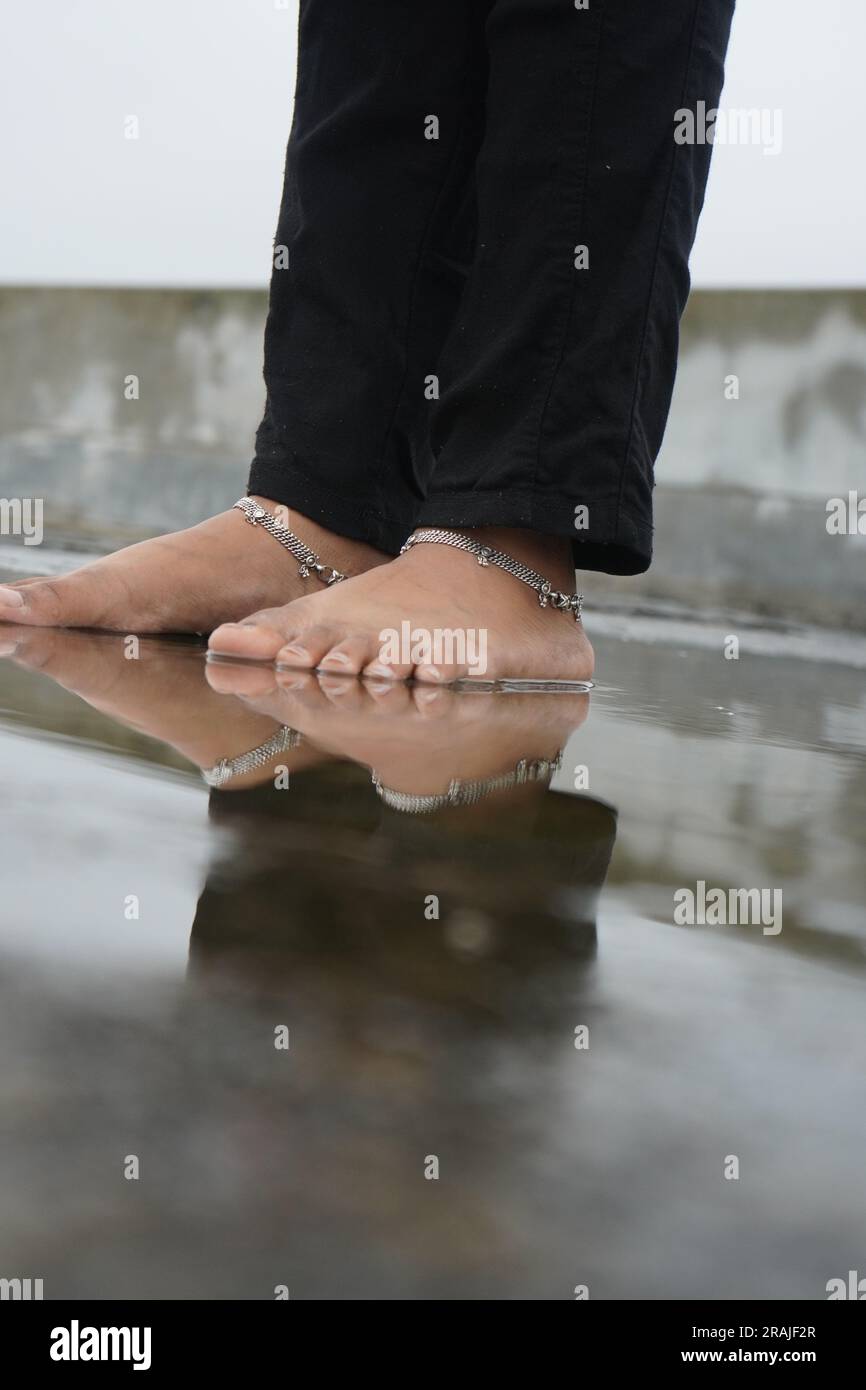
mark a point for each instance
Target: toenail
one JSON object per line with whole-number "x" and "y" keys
{"x": 11, "y": 598}
{"x": 335, "y": 659}
{"x": 300, "y": 652}
{"x": 432, "y": 673}
{"x": 377, "y": 669}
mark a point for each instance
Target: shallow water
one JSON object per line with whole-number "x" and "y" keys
{"x": 431, "y": 970}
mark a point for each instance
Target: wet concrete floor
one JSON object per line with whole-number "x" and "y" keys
{"x": 405, "y": 1011}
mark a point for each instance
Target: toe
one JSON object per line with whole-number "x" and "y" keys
{"x": 383, "y": 669}
{"x": 257, "y": 638}
{"x": 433, "y": 701}
{"x": 281, "y": 702}
{"x": 383, "y": 661}
{"x": 35, "y": 649}
{"x": 392, "y": 696}
{"x": 441, "y": 674}
{"x": 228, "y": 678}
{"x": 343, "y": 690}
{"x": 12, "y": 601}
{"x": 294, "y": 681}
{"x": 349, "y": 656}
{"x": 306, "y": 648}
{"x": 48, "y": 603}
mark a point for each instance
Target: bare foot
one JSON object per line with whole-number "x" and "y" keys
{"x": 417, "y": 739}
{"x": 163, "y": 694}
{"x": 489, "y": 624}
{"x": 185, "y": 582}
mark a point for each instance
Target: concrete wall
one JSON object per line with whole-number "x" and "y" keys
{"x": 743, "y": 483}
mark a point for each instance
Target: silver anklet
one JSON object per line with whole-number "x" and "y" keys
{"x": 487, "y": 555}
{"x": 227, "y": 768}
{"x": 309, "y": 560}
{"x": 467, "y": 793}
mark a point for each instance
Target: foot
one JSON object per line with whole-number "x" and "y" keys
{"x": 185, "y": 582}
{"x": 435, "y": 589}
{"x": 416, "y": 739}
{"x": 162, "y": 694}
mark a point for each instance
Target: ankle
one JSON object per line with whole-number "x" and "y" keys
{"x": 340, "y": 551}
{"x": 550, "y": 555}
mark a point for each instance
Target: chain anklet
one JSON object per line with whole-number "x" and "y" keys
{"x": 468, "y": 793}
{"x": 488, "y": 555}
{"x": 309, "y": 561}
{"x": 227, "y": 768}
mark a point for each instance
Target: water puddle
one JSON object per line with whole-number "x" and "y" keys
{"x": 398, "y": 1001}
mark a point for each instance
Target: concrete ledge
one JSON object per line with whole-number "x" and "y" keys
{"x": 745, "y": 552}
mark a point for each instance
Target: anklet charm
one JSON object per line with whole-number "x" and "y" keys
{"x": 488, "y": 555}
{"x": 308, "y": 559}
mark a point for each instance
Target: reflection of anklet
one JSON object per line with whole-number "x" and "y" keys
{"x": 227, "y": 768}
{"x": 487, "y": 555}
{"x": 309, "y": 560}
{"x": 467, "y": 793}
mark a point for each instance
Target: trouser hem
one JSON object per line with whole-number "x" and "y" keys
{"x": 612, "y": 542}
{"x": 337, "y": 509}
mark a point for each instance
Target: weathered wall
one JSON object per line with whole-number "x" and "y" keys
{"x": 742, "y": 483}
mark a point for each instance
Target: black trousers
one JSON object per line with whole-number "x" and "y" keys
{"x": 480, "y": 265}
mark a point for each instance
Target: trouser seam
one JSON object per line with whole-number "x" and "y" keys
{"x": 663, "y": 221}
{"x": 423, "y": 249}
{"x": 560, "y": 357}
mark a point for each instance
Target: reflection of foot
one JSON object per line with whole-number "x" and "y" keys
{"x": 434, "y": 589}
{"x": 161, "y": 694}
{"x": 185, "y": 582}
{"x": 417, "y": 739}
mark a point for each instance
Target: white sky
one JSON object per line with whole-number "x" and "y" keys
{"x": 193, "y": 201}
